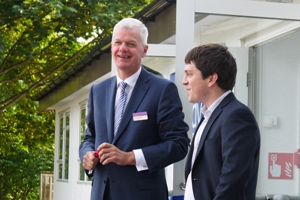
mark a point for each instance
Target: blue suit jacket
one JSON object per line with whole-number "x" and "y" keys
{"x": 226, "y": 165}
{"x": 162, "y": 138}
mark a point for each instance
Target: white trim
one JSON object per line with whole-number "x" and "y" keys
{"x": 246, "y": 8}
{"x": 163, "y": 50}
{"x": 185, "y": 26}
{"x": 64, "y": 128}
{"x": 272, "y": 33}
{"x": 82, "y": 106}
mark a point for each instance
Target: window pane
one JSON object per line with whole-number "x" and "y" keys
{"x": 60, "y": 171}
{"x": 156, "y": 63}
{"x": 82, "y": 124}
{"x": 67, "y": 155}
{"x": 81, "y": 172}
{"x": 67, "y": 119}
{"x": 61, "y": 133}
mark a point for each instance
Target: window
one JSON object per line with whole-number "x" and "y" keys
{"x": 64, "y": 140}
{"x": 82, "y": 175}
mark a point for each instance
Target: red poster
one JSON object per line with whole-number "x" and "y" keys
{"x": 281, "y": 166}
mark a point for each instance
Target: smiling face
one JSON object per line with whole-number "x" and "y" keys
{"x": 197, "y": 88}
{"x": 127, "y": 50}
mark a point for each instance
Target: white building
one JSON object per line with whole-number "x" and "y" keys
{"x": 264, "y": 37}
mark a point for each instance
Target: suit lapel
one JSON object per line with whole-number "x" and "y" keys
{"x": 212, "y": 119}
{"x": 190, "y": 155}
{"x": 110, "y": 109}
{"x": 138, "y": 94}
{"x": 205, "y": 132}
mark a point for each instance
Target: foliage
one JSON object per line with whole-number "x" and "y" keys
{"x": 27, "y": 148}
{"x": 20, "y": 173}
{"x": 23, "y": 127}
{"x": 38, "y": 41}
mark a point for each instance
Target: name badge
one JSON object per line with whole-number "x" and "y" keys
{"x": 140, "y": 116}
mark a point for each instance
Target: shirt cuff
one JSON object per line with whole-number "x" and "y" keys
{"x": 140, "y": 160}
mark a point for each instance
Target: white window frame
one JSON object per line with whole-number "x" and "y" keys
{"x": 64, "y": 132}
{"x": 82, "y": 106}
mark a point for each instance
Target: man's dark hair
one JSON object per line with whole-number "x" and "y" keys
{"x": 214, "y": 58}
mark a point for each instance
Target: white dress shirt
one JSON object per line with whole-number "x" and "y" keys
{"x": 131, "y": 81}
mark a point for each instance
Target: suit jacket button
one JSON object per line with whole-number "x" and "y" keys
{"x": 104, "y": 181}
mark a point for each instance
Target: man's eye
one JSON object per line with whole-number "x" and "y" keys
{"x": 131, "y": 45}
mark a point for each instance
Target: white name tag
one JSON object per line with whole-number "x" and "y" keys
{"x": 140, "y": 116}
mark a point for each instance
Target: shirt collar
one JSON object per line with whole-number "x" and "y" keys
{"x": 208, "y": 111}
{"x": 130, "y": 80}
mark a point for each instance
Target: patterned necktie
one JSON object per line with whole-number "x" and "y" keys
{"x": 120, "y": 106}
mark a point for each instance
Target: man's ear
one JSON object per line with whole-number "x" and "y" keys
{"x": 145, "y": 51}
{"x": 212, "y": 79}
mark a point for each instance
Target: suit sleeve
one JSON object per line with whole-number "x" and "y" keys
{"x": 240, "y": 150}
{"x": 172, "y": 130}
{"x": 88, "y": 143}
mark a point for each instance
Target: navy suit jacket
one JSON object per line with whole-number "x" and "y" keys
{"x": 226, "y": 164}
{"x": 162, "y": 138}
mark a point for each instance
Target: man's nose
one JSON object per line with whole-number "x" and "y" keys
{"x": 123, "y": 47}
{"x": 184, "y": 82}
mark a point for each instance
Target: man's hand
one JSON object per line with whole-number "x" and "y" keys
{"x": 109, "y": 153}
{"x": 90, "y": 161}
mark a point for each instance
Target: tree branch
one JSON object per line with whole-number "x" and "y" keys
{"x": 9, "y": 80}
{"x": 10, "y": 51}
{"x": 8, "y": 102}
{"x": 26, "y": 60}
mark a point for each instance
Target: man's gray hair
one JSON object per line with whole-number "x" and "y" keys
{"x": 133, "y": 23}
